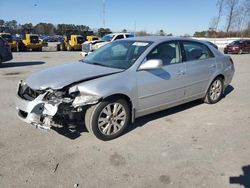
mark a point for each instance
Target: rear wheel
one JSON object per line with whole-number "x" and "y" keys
{"x": 22, "y": 47}
{"x": 215, "y": 91}
{"x": 62, "y": 47}
{"x": 58, "y": 47}
{"x": 108, "y": 119}
{"x": 14, "y": 49}
{"x": 69, "y": 48}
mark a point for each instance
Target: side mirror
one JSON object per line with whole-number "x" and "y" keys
{"x": 151, "y": 64}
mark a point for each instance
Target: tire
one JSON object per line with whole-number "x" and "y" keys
{"x": 40, "y": 49}
{"x": 225, "y": 52}
{"x": 241, "y": 51}
{"x": 105, "y": 124}
{"x": 14, "y": 49}
{"x": 69, "y": 48}
{"x": 58, "y": 47}
{"x": 215, "y": 91}
{"x": 62, "y": 47}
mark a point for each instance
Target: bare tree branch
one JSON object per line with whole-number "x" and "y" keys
{"x": 231, "y": 7}
{"x": 220, "y": 6}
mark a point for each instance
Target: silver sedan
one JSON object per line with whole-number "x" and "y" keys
{"x": 124, "y": 80}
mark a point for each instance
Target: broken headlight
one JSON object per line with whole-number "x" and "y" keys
{"x": 85, "y": 99}
{"x": 54, "y": 95}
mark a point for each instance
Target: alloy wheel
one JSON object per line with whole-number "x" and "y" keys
{"x": 112, "y": 118}
{"x": 215, "y": 90}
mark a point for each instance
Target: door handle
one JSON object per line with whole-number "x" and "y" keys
{"x": 181, "y": 73}
{"x": 212, "y": 66}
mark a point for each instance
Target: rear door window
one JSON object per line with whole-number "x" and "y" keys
{"x": 129, "y": 36}
{"x": 119, "y": 37}
{"x": 196, "y": 51}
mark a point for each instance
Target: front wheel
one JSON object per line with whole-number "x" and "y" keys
{"x": 215, "y": 91}
{"x": 108, "y": 119}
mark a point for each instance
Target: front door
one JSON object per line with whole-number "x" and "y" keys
{"x": 164, "y": 86}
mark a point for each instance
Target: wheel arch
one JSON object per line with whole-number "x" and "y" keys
{"x": 127, "y": 98}
{"x": 217, "y": 76}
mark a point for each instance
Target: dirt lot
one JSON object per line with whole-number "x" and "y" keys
{"x": 193, "y": 145}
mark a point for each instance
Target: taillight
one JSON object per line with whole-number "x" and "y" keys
{"x": 6, "y": 43}
{"x": 231, "y": 60}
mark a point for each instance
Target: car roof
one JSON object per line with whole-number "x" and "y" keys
{"x": 112, "y": 34}
{"x": 161, "y": 39}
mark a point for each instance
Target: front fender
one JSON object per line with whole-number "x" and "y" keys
{"x": 111, "y": 85}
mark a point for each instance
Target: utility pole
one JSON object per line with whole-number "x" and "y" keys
{"x": 135, "y": 27}
{"x": 103, "y": 12}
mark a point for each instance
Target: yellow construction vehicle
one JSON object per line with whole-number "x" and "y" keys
{"x": 92, "y": 38}
{"x": 72, "y": 41}
{"x": 6, "y": 34}
{"x": 30, "y": 41}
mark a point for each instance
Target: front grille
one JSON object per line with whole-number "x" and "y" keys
{"x": 25, "y": 92}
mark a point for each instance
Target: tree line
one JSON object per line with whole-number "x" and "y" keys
{"x": 60, "y": 29}
{"x": 49, "y": 28}
{"x": 232, "y": 20}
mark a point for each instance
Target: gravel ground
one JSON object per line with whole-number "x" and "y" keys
{"x": 192, "y": 145}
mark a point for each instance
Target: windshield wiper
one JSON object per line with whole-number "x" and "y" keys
{"x": 92, "y": 63}
{"x": 95, "y": 63}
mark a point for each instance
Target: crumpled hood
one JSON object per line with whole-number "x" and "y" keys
{"x": 57, "y": 77}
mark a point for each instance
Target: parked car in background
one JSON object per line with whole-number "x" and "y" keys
{"x": 5, "y": 51}
{"x": 92, "y": 38}
{"x": 124, "y": 80}
{"x": 90, "y": 46}
{"x": 238, "y": 47}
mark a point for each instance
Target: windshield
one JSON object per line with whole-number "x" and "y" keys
{"x": 107, "y": 38}
{"x": 118, "y": 54}
{"x": 7, "y": 37}
{"x": 34, "y": 39}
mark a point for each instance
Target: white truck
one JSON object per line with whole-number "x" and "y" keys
{"x": 90, "y": 46}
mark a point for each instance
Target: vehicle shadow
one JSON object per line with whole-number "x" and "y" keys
{"x": 242, "y": 180}
{"x": 228, "y": 90}
{"x": 151, "y": 117}
{"x": 21, "y": 64}
{"x": 140, "y": 122}
{"x": 73, "y": 130}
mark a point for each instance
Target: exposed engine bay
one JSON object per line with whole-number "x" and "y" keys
{"x": 43, "y": 108}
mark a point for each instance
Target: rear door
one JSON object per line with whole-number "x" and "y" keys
{"x": 200, "y": 68}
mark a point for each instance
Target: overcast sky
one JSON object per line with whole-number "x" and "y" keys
{"x": 173, "y": 16}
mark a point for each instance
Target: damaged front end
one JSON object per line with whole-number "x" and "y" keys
{"x": 44, "y": 108}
